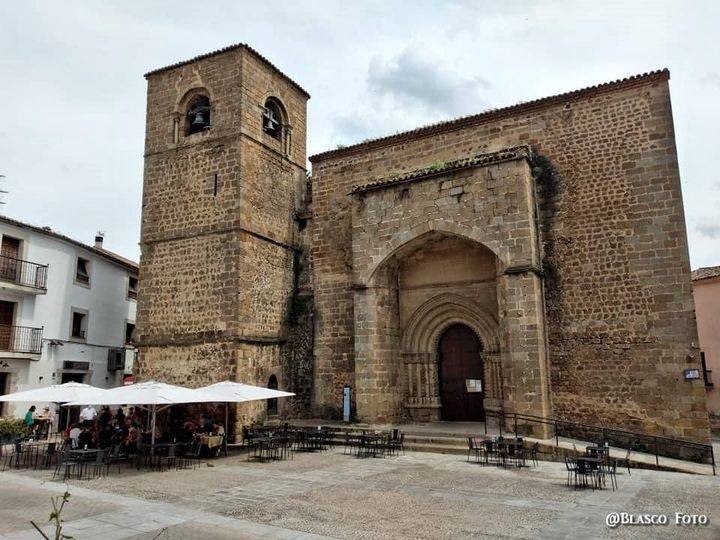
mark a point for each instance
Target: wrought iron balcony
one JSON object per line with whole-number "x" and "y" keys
{"x": 21, "y": 339}
{"x": 24, "y": 273}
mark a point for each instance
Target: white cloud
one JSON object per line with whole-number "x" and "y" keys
{"x": 412, "y": 79}
{"x": 709, "y": 228}
{"x": 71, "y": 139}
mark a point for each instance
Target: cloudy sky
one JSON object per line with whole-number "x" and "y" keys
{"x": 72, "y": 124}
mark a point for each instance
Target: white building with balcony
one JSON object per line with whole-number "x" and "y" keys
{"x": 67, "y": 312}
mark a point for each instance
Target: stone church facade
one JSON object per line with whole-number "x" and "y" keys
{"x": 531, "y": 259}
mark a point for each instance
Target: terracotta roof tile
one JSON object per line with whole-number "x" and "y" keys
{"x": 439, "y": 169}
{"x": 492, "y": 114}
{"x": 705, "y": 273}
{"x": 228, "y": 49}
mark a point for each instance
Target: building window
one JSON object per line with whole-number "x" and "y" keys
{"x": 272, "y": 404}
{"x": 707, "y": 373}
{"x": 197, "y": 118}
{"x": 78, "y": 327}
{"x": 82, "y": 271}
{"x": 132, "y": 287}
{"x": 273, "y": 118}
{"x": 129, "y": 331}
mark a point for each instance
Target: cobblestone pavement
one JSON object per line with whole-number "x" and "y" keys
{"x": 335, "y": 495}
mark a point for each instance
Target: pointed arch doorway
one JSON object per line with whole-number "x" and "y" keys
{"x": 460, "y": 375}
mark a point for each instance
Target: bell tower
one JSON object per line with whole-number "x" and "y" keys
{"x": 224, "y": 180}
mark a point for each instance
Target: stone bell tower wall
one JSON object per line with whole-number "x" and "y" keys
{"x": 219, "y": 239}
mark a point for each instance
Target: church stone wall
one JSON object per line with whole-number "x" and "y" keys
{"x": 617, "y": 290}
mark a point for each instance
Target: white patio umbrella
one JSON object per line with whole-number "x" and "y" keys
{"x": 60, "y": 393}
{"x": 234, "y": 392}
{"x": 152, "y": 394}
{"x": 238, "y": 392}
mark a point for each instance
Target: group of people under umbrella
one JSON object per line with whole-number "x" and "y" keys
{"x": 151, "y": 396}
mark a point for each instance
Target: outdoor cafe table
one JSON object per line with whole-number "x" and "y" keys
{"x": 511, "y": 449}
{"x": 211, "y": 442}
{"x": 85, "y": 455}
{"x": 369, "y": 443}
{"x": 597, "y": 451}
{"x": 262, "y": 448}
{"x": 85, "y": 452}
{"x": 165, "y": 446}
{"x": 591, "y": 463}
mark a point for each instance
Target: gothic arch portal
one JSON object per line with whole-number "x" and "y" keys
{"x": 419, "y": 349}
{"x": 431, "y": 319}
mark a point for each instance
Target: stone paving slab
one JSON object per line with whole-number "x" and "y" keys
{"x": 340, "y": 496}
{"x": 24, "y": 502}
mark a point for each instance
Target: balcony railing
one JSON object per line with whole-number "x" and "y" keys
{"x": 22, "y": 339}
{"x": 26, "y": 273}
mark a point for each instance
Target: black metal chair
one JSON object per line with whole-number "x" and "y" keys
{"x": 571, "y": 467}
{"x": 193, "y": 455}
{"x": 16, "y": 456}
{"x": 586, "y": 475}
{"x": 626, "y": 461}
{"x": 473, "y": 448}
{"x": 491, "y": 452}
{"x": 534, "y": 452}
{"x": 398, "y": 442}
{"x": 611, "y": 471}
{"x": 116, "y": 457}
{"x": 48, "y": 456}
{"x": 99, "y": 463}
{"x": 67, "y": 463}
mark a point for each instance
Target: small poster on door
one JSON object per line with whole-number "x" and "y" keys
{"x": 473, "y": 385}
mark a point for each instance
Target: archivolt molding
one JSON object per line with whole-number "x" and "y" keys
{"x": 427, "y": 324}
{"x": 182, "y": 103}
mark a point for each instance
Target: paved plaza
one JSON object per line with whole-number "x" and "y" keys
{"x": 329, "y": 494}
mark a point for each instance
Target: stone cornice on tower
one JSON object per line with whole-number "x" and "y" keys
{"x": 229, "y": 48}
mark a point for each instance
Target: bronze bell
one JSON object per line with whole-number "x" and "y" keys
{"x": 199, "y": 119}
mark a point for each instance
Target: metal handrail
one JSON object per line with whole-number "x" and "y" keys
{"x": 23, "y": 339}
{"x": 26, "y": 273}
{"x": 634, "y": 440}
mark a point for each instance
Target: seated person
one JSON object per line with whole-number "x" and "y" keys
{"x": 74, "y": 435}
{"x": 105, "y": 436}
{"x": 117, "y": 438}
{"x": 120, "y": 417}
{"x": 130, "y": 442}
{"x": 105, "y": 416}
{"x": 218, "y": 430}
{"x": 86, "y": 439}
{"x": 206, "y": 425}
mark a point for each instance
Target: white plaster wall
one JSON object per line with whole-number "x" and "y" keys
{"x": 105, "y": 300}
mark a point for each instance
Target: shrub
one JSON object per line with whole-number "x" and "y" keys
{"x": 12, "y": 427}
